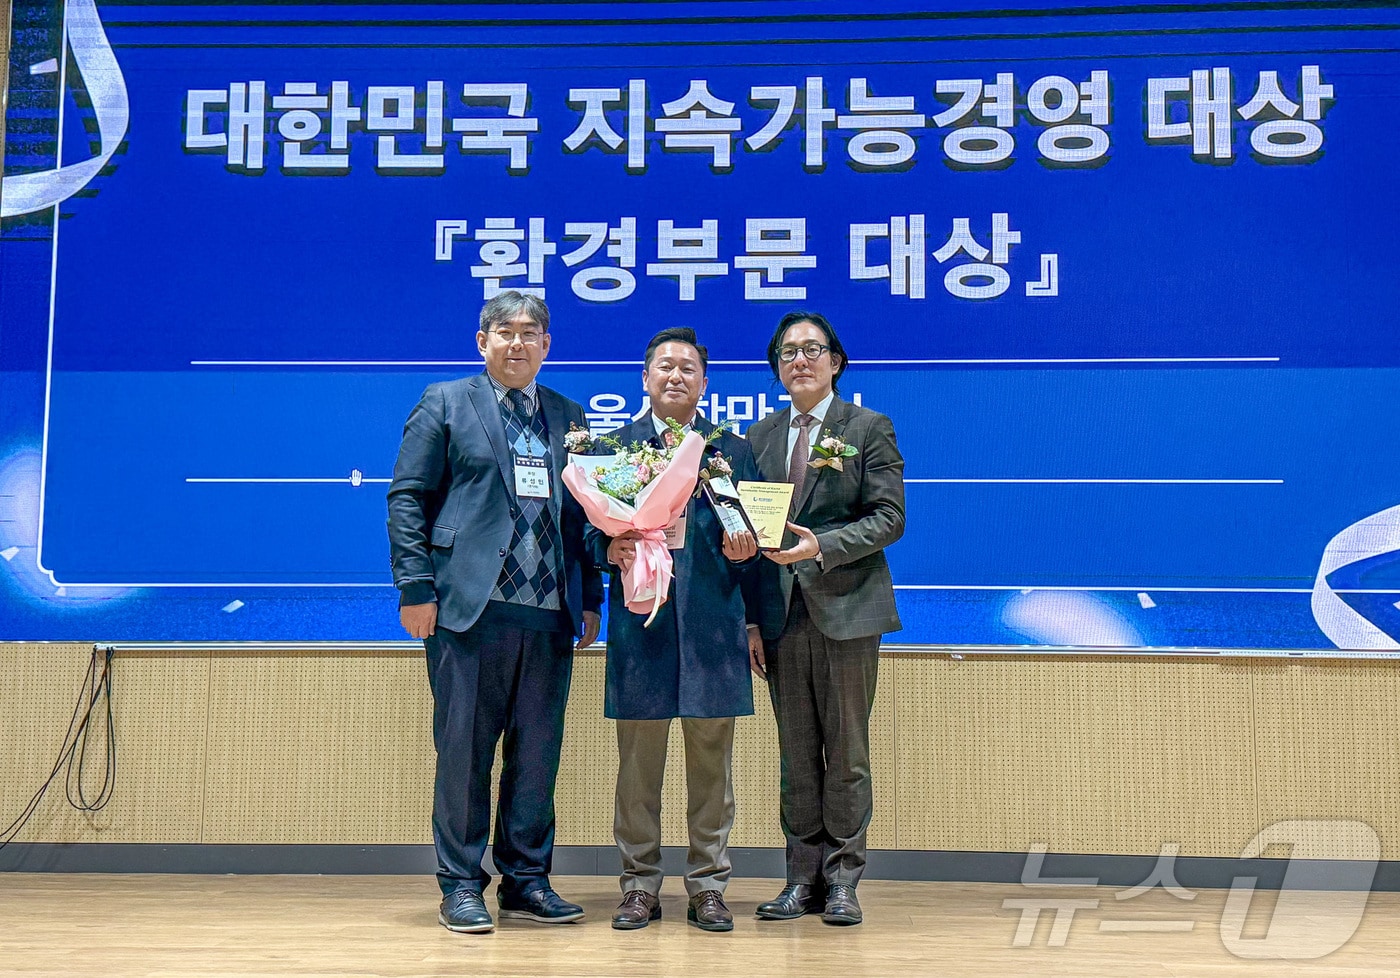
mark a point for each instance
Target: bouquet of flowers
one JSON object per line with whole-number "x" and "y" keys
{"x": 642, "y": 488}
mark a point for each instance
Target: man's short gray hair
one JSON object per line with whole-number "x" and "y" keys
{"x": 506, "y": 306}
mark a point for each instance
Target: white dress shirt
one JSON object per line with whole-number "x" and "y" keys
{"x": 814, "y": 432}
{"x": 530, "y": 390}
{"x": 662, "y": 427}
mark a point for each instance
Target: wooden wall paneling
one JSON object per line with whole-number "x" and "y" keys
{"x": 159, "y": 712}
{"x": 1088, "y": 754}
{"x": 319, "y": 748}
{"x": 1082, "y": 754}
{"x": 1329, "y": 745}
{"x": 583, "y": 794}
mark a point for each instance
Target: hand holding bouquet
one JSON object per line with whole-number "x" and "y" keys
{"x": 641, "y": 488}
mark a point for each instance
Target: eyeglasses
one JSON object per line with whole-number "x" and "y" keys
{"x": 529, "y": 337}
{"x": 811, "y": 351}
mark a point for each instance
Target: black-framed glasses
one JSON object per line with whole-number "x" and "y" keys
{"x": 811, "y": 351}
{"x": 529, "y": 337}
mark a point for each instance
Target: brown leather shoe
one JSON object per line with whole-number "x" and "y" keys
{"x": 637, "y": 909}
{"x": 708, "y": 912}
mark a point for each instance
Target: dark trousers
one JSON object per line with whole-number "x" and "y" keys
{"x": 823, "y": 691}
{"x": 489, "y": 681}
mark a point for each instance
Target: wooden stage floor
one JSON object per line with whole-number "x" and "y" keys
{"x": 328, "y": 927}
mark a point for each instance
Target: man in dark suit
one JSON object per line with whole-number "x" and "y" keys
{"x": 487, "y": 553}
{"x": 692, "y": 662}
{"x": 830, "y": 600}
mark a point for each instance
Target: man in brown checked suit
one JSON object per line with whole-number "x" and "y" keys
{"x": 828, "y": 600}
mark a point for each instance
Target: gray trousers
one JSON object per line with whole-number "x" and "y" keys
{"x": 709, "y": 784}
{"x": 823, "y": 691}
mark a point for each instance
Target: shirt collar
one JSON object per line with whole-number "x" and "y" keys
{"x": 529, "y": 390}
{"x": 662, "y": 427}
{"x": 818, "y": 412}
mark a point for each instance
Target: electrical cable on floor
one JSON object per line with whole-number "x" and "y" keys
{"x": 96, "y": 687}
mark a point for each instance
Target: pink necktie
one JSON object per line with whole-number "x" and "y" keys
{"x": 801, "y": 449}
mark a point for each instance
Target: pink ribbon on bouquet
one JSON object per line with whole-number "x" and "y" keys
{"x": 647, "y": 580}
{"x": 649, "y": 572}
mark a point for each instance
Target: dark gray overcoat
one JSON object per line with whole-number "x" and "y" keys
{"x": 693, "y": 661}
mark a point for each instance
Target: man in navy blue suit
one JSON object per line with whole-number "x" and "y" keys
{"x": 487, "y": 553}
{"x": 692, "y": 662}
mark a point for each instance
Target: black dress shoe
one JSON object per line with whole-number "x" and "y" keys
{"x": 708, "y": 912}
{"x": 465, "y": 912}
{"x": 796, "y": 900}
{"x": 541, "y": 904}
{"x": 637, "y": 909}
{"x": 842, "y": 907}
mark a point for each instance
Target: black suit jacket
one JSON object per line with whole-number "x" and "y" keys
{"x": 855, "y": 514}
{"x": 452, "y": 503}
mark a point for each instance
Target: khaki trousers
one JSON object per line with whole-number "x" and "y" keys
{"x": 709, "y": 782}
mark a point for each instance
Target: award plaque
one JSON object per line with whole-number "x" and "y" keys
{"x": 767, "y": 505}
{"x": 728, "y": 507}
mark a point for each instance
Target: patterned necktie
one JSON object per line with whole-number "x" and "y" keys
{"x": 801, "y": 449}
{"x": 528, "y": 576}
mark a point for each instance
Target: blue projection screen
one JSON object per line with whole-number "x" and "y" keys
{"x": 1124, "y": 278}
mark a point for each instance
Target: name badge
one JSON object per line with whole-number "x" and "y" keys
{"x": 675, "y": 534}
{"x": 531, "y": 478}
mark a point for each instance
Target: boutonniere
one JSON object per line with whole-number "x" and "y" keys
{"x": 581, "y": 441}
{"x": 830, "y": 450}
{"x": 718, "y": 467}
{"x": 578, "y": 441}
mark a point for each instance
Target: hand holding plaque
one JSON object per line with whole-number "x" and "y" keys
{"x": 766, "y": 504}
{"x": 717, "y": 486}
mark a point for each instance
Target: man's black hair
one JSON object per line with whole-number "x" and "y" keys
{"x": 678, "y": 334}
{"x": 819, "y": 321}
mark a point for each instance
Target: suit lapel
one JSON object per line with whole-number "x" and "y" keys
{"x": 685, "y": 557}
{"x": 639, "y": 432}
{"x": 483, "y": 398}
{"x": 772, "y": 456}
{"x": 837, "y": 413}
{"x": 704, "y": 429}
